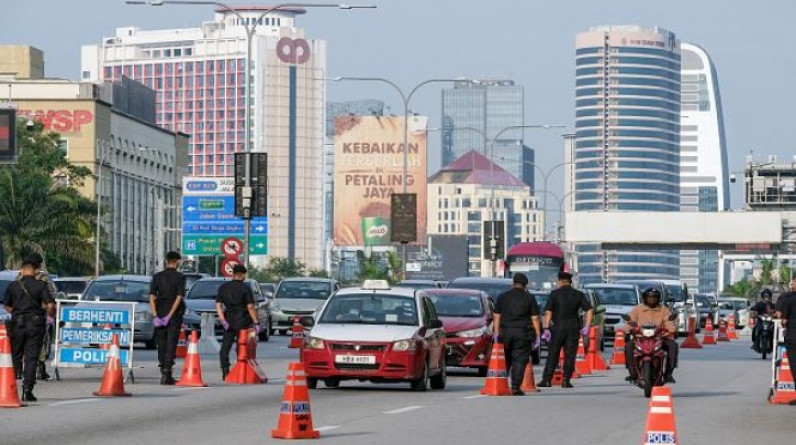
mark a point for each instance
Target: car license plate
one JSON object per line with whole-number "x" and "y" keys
{"x": 355, "y": 359}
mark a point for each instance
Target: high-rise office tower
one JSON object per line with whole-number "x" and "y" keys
{"x": 200, "y": 78}
{"x": 474, "y": 113}
{"x": 704, "y": 173}
{"x": 627, "y": 142}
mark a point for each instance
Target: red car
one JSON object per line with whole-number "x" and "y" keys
{"x": 467, "y": 319}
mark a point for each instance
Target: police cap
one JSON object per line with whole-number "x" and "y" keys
{"x": 520, "y": 278}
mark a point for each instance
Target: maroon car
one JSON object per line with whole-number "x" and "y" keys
{"x": 466, "y": 316}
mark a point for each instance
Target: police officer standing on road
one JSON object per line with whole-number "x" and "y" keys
{"x": 786, "y": 310}
{"x": 31, "y": 306}
{"x": 515, "y": 311}
{"x": 165, "y": 298}
{"x": 235, "y": 308}
{"x": 563, "y": 308}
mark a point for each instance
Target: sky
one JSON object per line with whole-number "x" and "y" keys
{"x": 529, "y": 41}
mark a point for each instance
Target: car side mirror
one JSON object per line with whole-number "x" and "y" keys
{"x": 307, "y": 321}
{"x": 435, "y": 324}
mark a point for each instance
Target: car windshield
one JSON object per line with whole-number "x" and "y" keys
{"x": 371, "y": 309}
{"x": 317, "y": 290}
{"x": 190, "y": 280}
{"x": 676, "y": 292}
{"x": 618, "y": 297}
{"x": 739, "y": 304}
{"x": 541, "y": 299}
{"x": 726, "y": 305}
{"x": 204, "y": 290}
{"x": 491, "y": 289}
{"x": 702, "y": 301}
{"x": 267, "y": 287}
{"x": 458, "y": 305}
{"x": 70, "y": 287}
{"x": 118, "y": 290}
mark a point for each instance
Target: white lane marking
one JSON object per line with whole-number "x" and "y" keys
{"x": 74, "y": 402}
{"x": 474, "y": 397}
{"x": 327, "y": 428}
{"x": 403, "y": 410}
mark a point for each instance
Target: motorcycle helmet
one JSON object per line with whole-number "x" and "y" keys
{"x": 650, "y": 293}
{"x": 766, "y": 294}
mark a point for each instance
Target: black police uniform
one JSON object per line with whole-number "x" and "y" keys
{"x": 565, "y": 303}
{"x": 786, "y": 305}
{"x": 26, "y": 296}
{"x": 235, "y": 296}
{"x": 516, "y": 307}
{"x": 166, "y": 286}
{"x": 760, "y": 308}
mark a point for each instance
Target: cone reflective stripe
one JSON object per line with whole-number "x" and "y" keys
{"x": 297, "y": 339}
{"x": 660, "y": 428}
{"x": 596, "y": 360}
{"x": 182, "y": 344}
{"x": 295, "y": 415}
{"x": 731, "y": 333}
{"x": 710, "y": 337}
{"x": 582, "y": 365}
{"x": 619, "y": 348}
{"x": 192, "y": 369}
{"x": 497, "y": 383}
{"x": 785, "y": 389}
{"x": 112, "y": 379}
{"x": 691, "y": 341}
{"x": 9, "y": 395}
{"x": 246, "y": 370}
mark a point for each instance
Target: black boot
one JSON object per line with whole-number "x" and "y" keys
{"x": 167, "y": 379}
{"x": 566, "y": 384}
{"x": 224, "y": 373}
{"x": 27, "y": 395}
{"x": 41, "y": 372}
{"x": 669, "y": 379}
{"x": 544, "y": 383}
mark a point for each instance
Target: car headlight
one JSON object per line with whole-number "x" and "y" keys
{"x": 313, "y": 343}
{"x": 143, "y": 316}
{"x": 404, "y": 345}
{"x": 472, "y": 332}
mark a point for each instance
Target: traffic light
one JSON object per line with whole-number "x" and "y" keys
{"x": 252, "y": 200}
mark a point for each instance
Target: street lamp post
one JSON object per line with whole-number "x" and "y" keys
{"x": 545, "y": 190}
{"x": 405, "y": 99}
{"x": 251, "y": 28}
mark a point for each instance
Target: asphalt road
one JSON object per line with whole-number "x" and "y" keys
{"x": 719, "y": 398}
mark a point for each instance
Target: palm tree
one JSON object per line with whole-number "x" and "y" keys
{"x": 38, "y": 212}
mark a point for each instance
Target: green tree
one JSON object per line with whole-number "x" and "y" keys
{"x": 282, "y": 268}
{"x": 318, "y": 273}
{"x": 263, "y": 275}
{"x": 743, "y": 288}
{"x": 41, "y": 210}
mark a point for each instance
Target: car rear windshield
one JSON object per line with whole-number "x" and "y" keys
{"x": 457, "y": 305}
{"x": 112, "y": 290}
{"x": 71, "y": 287}
{"x": 677, "y": 292}
{"x": 491, "y": 289}
{"x": 204, "y": 290}
{"x": 371, "y": 309}
{"x": 303, "y": 289}
{"x": 620, "y": 297}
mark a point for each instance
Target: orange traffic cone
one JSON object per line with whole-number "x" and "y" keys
{"x": 106, "y": 327}
{"x": 723, "y": 332}
{"x": 295, "y": 416}
{"x": 710, "y": 337}
{"x": 112, "y": 380}
{"x": 182, "y": 344}
{"x": 9, "y": 395}
{"x": 660, "y": 419}
{"x": 619, "y": 348}
{"x": 596, "y": 360}
{"x": 528, "y": 381}
{"x": 691, "y": 341}
{"x": 497, "y": 382}
{"x": 246, "y": 371}
{"x": 582, "y": 365}
{"x": 731, "y": 332}
{"x": 192, "y": 369}
{"x": 785, "y": 390}
{"x": 575, "y": 373}
{"x": 297, "y": 340}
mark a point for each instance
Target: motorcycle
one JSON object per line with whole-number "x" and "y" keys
{"x": 765, "y": 336}
{"x": 649, "y": 357}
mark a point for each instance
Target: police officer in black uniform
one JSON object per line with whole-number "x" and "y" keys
{"x": 165, "y": 298}
{"x": 515, "y": 311}
{"x": 786, "y": 310}
{"x": 563, "y": 309}
{"x": 235, "y": 308}
{"x": 31, "y": 304}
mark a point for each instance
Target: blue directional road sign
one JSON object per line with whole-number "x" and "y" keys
{"x": 209, "y": 219}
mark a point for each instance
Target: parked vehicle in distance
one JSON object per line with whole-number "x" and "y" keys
{"x": 377, "y": 333}
{"x": 737, "y": 306}
{"x": 202, "y": 298}
{"x": 268, "y": 289}
{"x": 466, "y": 316}
{"x": 73, "y": 287}
{"x": 598, "y": 319}
{"x": 618, "y": 300}
{"x": 129, "y": 288}
{"x": 540, "y": 261}
{"x": 300, "y": 297}
{"x": 704, "y": 307}
{"x": 193, "y": 277}
{"x": 492, "y": 286}
{"x": 418, "y": 284}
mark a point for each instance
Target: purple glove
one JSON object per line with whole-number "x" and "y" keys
{"x": 159, "y": 322}
{"x": 225, "y": 324}
{"x": 537, "y": 343}
{"x": 50, "y": 321}
{"x": 257, "y": 328}
{"x": 546, "y": 335}
{"x": 584, "y": 331}
{"x": 165, "y": 320}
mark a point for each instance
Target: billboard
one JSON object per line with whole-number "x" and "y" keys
{"x": 368, "y": 169}
{"x": 445, "y": 257}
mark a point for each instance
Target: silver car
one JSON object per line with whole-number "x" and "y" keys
{"x": 299, "y": 297}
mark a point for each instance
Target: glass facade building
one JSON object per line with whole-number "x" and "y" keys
{"x": 627, "y": 140}
{"x": 476, "y": 112}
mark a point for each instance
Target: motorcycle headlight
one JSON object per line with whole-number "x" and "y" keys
{"x": 404, "y": 345}
{"x": 658, "y": 347}
{"x": 143, "y": 316}
{"x": 313, "y": 343}
{"x": 472, "y": 332}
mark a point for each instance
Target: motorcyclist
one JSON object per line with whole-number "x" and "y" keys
{"x": 763, "y": 307}
{"x": 654, "y": 313}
